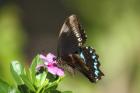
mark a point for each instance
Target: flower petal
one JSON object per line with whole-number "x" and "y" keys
{"x": 50, "y": 58}
{"x": 60, "y": 72}
{"x": 44, "y": 58}
{"x": 51, "y": 64}
{"x": 52, "y": 70}
{"x": 55, "y": 71}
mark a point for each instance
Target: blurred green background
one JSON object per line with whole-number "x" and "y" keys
{"x": 28, "y": 27}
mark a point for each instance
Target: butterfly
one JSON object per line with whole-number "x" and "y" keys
{"x": 71, "y": 50}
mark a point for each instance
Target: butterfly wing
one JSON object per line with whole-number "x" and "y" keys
{"x": 72, "y": 52}
{"x": 90, "y": 64}
{"x": 86, "y": 61}
{"x": 71, "y": 36}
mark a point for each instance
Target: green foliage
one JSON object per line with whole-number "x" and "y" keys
{"x": 30, "y": 80}
{"x": 3, "y": 87}
{"x": 17, "y": 70}
{"x": 6, "y": 88}
{"x": 35, "y": 62}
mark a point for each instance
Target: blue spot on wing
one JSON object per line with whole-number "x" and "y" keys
{"x": 96, "y": 72}
{"x": 93, "y": 56}
{"x": 95, "y": 65}
{"x": 82, "y": 56}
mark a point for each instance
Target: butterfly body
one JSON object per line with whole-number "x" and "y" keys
{"x": 71, "y": 50}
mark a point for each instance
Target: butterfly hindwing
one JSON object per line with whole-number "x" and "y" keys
{"x": 90, "y": 59}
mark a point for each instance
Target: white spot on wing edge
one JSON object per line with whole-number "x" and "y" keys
{"x": 79, "y": 39}
{"x": 79, "y": 44}
{"x": 86, "y": 47}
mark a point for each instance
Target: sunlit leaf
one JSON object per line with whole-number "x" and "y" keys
{"x": 17, "y": 70}
{"x": 40, "y": 78}
{"x": 35, "y": 62}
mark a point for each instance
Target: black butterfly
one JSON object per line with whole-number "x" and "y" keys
{"x": 71, "y": 50}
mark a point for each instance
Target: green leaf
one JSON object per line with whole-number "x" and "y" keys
{"x": 27, "y": 73}
{"x": 17, "y": 70}
{"x": 35, "y": 62}
{"x": 54, "y": 84}
{"x": 52, "y": 87}
{"x": 4, "y": 87}
{"x": 14, "y": 90}
{"x": 43, "y": 86}
{"x": 20, "y": 76}
{"x": 40, "y": 78}
{"x": 27, "y": 82}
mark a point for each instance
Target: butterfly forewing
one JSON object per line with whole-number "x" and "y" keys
{"x": 77, "y": 29}
{"x": 71, "y": 36}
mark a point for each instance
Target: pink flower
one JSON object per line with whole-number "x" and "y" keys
{"x": 51, "y": 64}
